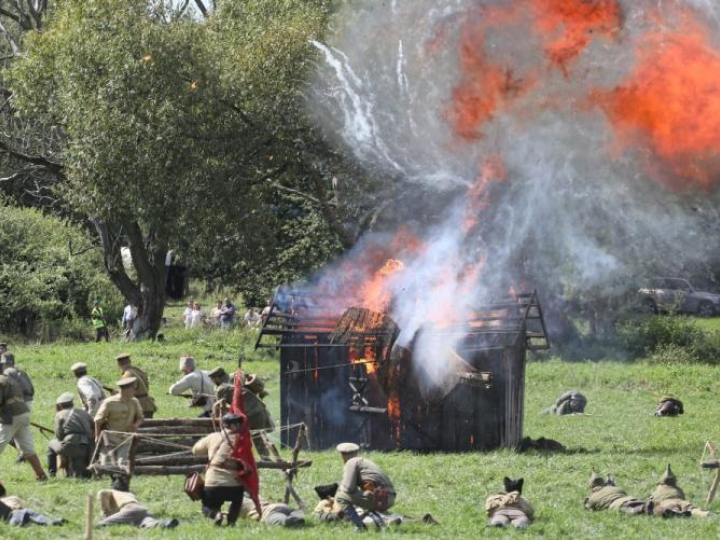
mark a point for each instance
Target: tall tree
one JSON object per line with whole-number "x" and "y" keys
{"x": 164, "y": 125}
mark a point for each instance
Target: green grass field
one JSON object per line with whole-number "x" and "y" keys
{"x": 619, "y": 436}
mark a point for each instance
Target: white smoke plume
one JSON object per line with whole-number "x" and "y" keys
{"x": 573, "y": 212}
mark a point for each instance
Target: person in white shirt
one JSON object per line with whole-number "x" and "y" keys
{"x": 128, "y": 318}
{"x": 199, "y": 384}
{"x": 196, "y": 316}
{"x": 89, "y": 388}
{"x": 215, "y": 314}
{"x": 252, "y": 318}
{"x": 186, "y": 314}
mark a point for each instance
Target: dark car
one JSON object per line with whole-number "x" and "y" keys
{"x": 677, "y": 295}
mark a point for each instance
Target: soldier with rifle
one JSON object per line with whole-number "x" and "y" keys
{"x": 89, "y": 388}
{"x": 7, "y": 366}
{"x": 74, "y": 438}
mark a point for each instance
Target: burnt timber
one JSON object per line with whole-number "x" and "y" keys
{"x": 345, "y": 377}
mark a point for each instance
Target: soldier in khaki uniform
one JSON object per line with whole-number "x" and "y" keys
{"x": 121, "y": 412}
{"x": 142, "y": 391}
{"x": 364, "y": 485}
{"x": 252, "y": 390}
{"x": 670, "y": 501}
{"x": 509, "y": 507}
{"x": 15, "y": 423}
{"x": 73, "y": 440}
{"x": 221, "y": 479}
{"x": 605, "y": 495}
{"x": 278, "y": 514}
{"x": 120, "y": 507}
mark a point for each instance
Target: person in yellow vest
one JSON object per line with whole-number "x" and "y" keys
{"x": 99, "y": 322}
{"x": 142, "y": 390}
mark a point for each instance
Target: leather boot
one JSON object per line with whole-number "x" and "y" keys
{"x": 35, "y": 464}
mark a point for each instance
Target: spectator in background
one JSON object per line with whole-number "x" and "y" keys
{"x": 227, "y": 314}
{"x": 266, "y": 310}
{"x": 252, "y": 318}
{"x": 196, "y": 316}
{"x": 99, "y": 322}
{"x": 128, "y": 319}
{"x": 187, "y": 312}
{"x": 215, "y": 314}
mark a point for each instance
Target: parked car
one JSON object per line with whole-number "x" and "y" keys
{"x": 677, "y": 295}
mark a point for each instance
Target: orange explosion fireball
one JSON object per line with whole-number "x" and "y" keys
{"x": 568, "y": 26}
{"x": 672, "y": 101}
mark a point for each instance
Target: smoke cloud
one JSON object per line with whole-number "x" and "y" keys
{"x": 563, "y": 145}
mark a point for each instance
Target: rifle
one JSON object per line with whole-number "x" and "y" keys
{"x": 42, "y": 428}
{"x": 108, "y": 389}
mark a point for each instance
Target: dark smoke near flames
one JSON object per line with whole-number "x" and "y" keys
{"x": 567, "y": 145}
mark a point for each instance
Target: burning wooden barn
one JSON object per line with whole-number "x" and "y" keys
{"x": 347, "y": 379}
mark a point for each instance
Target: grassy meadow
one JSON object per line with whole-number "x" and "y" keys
{"x": 619, "y": 435}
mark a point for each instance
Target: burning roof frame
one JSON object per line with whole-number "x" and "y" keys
{"x": 501, "y": 331}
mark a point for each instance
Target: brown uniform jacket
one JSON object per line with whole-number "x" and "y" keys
{"x": 508, "y": 500}
{"x": 142, "y": 392}
{"x": 360, "y": 472}
{"x": 12, "y": 402}
{"x": 74, "y": 426}
{"x": 222, "y": 470}
{"x": 117, "y": 414}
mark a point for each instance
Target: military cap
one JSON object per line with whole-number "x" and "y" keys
{"x": 668, "y": 477}
{"x": 596, "y": 480}
{"x": 217, "y": 372}
{"x": 65, "y": 397}
{"x": 126, "y": 381}
{"x": 7, "y": 358}
{"x": 122, "y": 356}
{"x": 347, "y": 448}
{"x": 231, "y": 418}
{"x": 77, "y": 366}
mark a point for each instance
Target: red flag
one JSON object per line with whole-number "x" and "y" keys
{"x": 242, "y": 449}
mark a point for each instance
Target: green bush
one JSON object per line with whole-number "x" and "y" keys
{"x": 670, "y": 339}
{"x": 45, "y": 289}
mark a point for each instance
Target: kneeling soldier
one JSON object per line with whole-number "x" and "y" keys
{"x": 509, "y": 507}
{"x": 670, "y": 500}
{"x": 222, "y": 483}
{"x": 73, "y": 440}
{"x": 364, "y": 485}
{"x": 607, "y": 496}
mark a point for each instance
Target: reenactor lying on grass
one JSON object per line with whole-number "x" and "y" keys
{"x": 89, "y": 388}
{"x": 120, "y": 507}
{"x": 74, "y": 438}
{"x": 142, "y": 391}
{"x": 364, "y": 485}
{"x": 253, "y": 390}
{"x": 605, "y": 495}
{"x": 327, "y": 510}
{"x": 278, "y": 514}
{"x": 509, "y": 507}
{"x": 15, "y": 423}
{"x": 670, "y": 501}
{"x": 14, "y": 511}
{"x": 669, "y": 406}
{"x": 571, "y": 402}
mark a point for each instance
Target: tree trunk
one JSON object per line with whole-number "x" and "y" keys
{"x": 148, "y": 259}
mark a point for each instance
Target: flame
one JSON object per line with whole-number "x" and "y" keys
{"x": 671, "y": 102}
{"x": 376, "y": 294}
{"x": 393, "y": 408}
{"x": 487, "y": 88}
{"x": 568, "y": 26}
